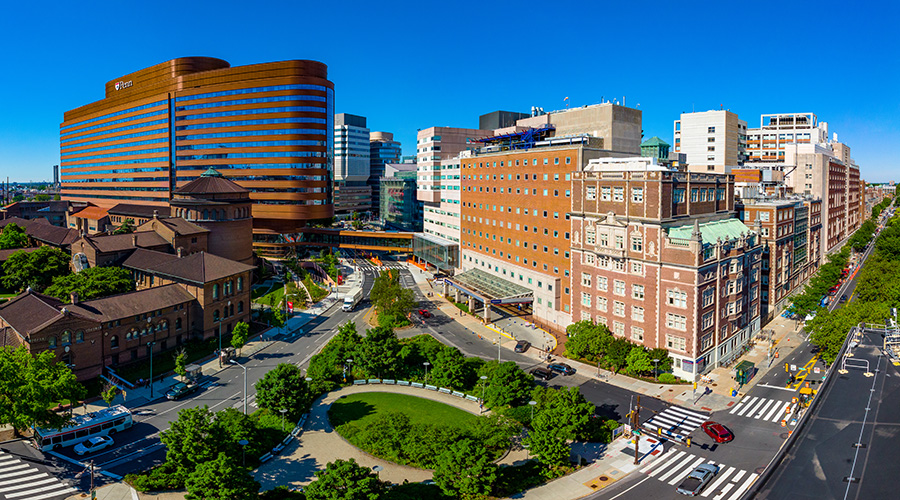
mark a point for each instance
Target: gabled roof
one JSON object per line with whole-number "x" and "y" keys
{"x": 31, "y": 311}
{"x": 92, "y": 213}
{"x": 4, "y": 254}
{"x": 41, "y": 230}
{"x": 726, "y": 229}
{"x": 108, "y": 243}
{"x": 182, "y": 226}
{"x": 199, "y": 268}
{"x": 23, "y": 223}
{"x": 654, "y": 141}
{"x": 130, "y": 304}
{"x": 211, "y": 182}
{"x": 128, "y": 209}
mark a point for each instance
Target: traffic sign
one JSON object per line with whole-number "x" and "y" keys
{"x": 793, "y": 368}
{"x": 817, "y": 370}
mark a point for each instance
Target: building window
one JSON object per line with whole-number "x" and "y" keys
{"x": 707, "y": 320}
{"x": 637, "y": 268}
{"x": 676, "y": 322}
{"x": 637, "y": 243}
{"x": 637, "y": 195}
{"x": 678, "y": 195}
{"x": 178, "y": 323}
{"x": 708, "y": 296}
{"x": 589, "y": 258}
{"x": 240, "y": 284}
{"x": 637, "y": 334}
{"x": 585, "y": 299}
{"x": 637, "y": 292}
{"x": 216, "y": 316}
{"x": 711, "y": 130}
{"x": 215, "y": 291}
{"x": 694, "y": 195}
{"x": 619, "y": 308}
{"x": 618, "y": 328}
{"x": 114, "y": 341}
{"x": 619, "y": 287}
{"x": 602, "y": 303}
{"x": 602, "y": 283}
{"x": 618, "y": 194}
{"x": 637, "y": 313}
{"x": 605, "y": 193}
{"x": 675, "y": 343}
{"x": 589, "y": 236}
{"x": 677, "y": 298}
{"x": 66, "y": 337}
{"x": 591, "y": 193}
{"x": 51, "y": 342}
{"x": 585, "y": 279}
{"x": 79, "y": 336}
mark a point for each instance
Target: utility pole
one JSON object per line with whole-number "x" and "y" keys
{"x": 635, "y": 421}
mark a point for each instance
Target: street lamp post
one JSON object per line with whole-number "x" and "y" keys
{"x": 531, "y": 404}
{"x": 243, "y": 443}
{"x": 150, "y": 346}
{"x": 283, "y": 411}
{"x": 483, "y": 385}
{"x": 245, "y": 382}
{"x": 426, "y": 364}
{"x": 377, "y": 469}
{"x": 350, "y": 367}
{"x": 656, "y": 370}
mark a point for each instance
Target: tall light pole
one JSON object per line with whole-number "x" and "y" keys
{"x": 427, "y": 364}
{"x": 483, "y": 385}
{"x": 150, "y": 346}
{"x": 283, "y": 411}
{"x": 531, "y": 404}
{"x": 245, "y": 382}
{"x": 243, "y": 443}
{"x": 350, "y": 368}
{"x": 656, "y": 370}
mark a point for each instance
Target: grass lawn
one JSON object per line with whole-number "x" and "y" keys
{"x": 363, "y": 408}
{"x": 275, "y": 296}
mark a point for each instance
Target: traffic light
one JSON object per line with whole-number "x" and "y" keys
{"x": 787, "y": 367}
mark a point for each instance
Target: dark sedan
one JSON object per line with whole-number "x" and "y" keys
{"x": 522, "y": 345}
{"x": 181, "y": 390}
{"x": 561, "y": 368}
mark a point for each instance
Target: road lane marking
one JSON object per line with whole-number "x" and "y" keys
{"x": 629, "y": 489}
{"x": 747, "y": 406}
{"x": 677, "y": 477}
{"x": 774, "y": 411}
{"x": 762, "y": 411}
{"x": 719, "y": 480}
{"x": 678, "y": 467}
{"x": 665, "y": 462}
{"x": 742, "y": 488}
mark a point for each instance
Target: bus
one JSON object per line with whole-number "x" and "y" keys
{"x": 83, "y": 427}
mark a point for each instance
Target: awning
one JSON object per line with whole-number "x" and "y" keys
{"x": 490, "y": 289}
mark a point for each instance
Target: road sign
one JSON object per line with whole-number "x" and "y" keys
{"x": 793, "y": 368}
{"x": 291, "y": 307}
{"x": 817, "y": 370}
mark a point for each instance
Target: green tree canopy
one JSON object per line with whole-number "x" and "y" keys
{"x": 221, "y": 479}
{"x": 239, "y": 335}
{"x": 587, "y": 340}
{"x": 345, "y": 480}
{"x": 617, "y": 353}
{"x": 36, "y": 269}
{"x": 30, "y": 384}
{"x": 449, "y": 369}
{"x": 126, "y": 227}
{"x": 13, "y": 236}
{"x": 389, "y": 297}
{"x": 92, "y": 283}
{"x": 507, "y": 385}
{"x": 378, "y": 355}
{"x": 194, "y": 438}
{"x": 638, "y": 361}
{"x": 284, "y": 387}
{"x": 465, "y": 470}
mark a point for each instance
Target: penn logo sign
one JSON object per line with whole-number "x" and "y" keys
{"x": 123, "y": 85}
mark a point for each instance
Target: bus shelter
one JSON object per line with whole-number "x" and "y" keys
{"x": 483, "y": 289}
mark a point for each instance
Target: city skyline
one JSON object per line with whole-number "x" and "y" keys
{"x": 463, "y": 69}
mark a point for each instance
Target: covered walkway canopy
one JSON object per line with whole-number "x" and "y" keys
{"x": 490, "y": 289}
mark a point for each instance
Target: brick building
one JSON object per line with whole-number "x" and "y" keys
{"x": 659, "y": 258}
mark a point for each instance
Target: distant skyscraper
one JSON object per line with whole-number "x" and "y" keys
{"x": 382, "y": 149}
{"x": 714, "y": 141}
{"x": 351, "y": 164}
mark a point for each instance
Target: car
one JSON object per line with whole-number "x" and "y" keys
{"x": 561, "y": 368}
{"x": 844, "y": 298}
{"x": 522, "y": 346}
{"x": 93, "y": 444}
{"x": 180, "y": 390}
{"x": 717, "y": 431}
{"x": 424, "y": 313}
{"x": 542, "y": 373}
{"x": 694, "y": 483}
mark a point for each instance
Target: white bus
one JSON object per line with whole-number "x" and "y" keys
{"x": 83, "y": 427}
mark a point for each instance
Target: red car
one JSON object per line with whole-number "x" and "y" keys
{"x": 424, "y": 313}
{"x": 717, "y": 431}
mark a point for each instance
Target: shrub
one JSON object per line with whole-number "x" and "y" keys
{"x": 668, "y": 378}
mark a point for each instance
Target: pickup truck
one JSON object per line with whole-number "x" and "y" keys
{"x": 698, "y": 478}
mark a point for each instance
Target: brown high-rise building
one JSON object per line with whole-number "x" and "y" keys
{"x": 268, "y": 127}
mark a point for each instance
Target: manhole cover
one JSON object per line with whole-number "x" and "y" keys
{"x": 603, "y": 478}
{"x": 784, "y": 435}
{"x": 759, "y": 470}
{"x": 715, "y": 385}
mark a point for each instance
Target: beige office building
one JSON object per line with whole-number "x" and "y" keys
{"x": 713, "y": 141}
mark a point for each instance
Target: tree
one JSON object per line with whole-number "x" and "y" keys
{"x": 192, "y": 439}
{"x": 30, "y": 385}
{"x": 638, "y": 361}
{"x": 378, "y": 354}
{"x": 665, "y": 362}
{"x": 126, "y": 227}
{"x": 92, "y": 283}
{"x": 109, "y": 394}
{"x": 617, "y": 353}
{"x": 181, "y": 363}
{"x": 507, "y": 385}
{"x": 239, "y": 335}
{"x": 36, "y": 269}
{"x": 389, "y": 297}
{"x": 284, "y": 387}
{"x": 565, "y": 411}
{"x": 548, "y": 446}
{"x": 13, "y": 236}
{"x": 279, "y": 318}
{"x": 449, "y": 369}
{"x": 221, "y": 479}
{"x": 42, "y": 197}
{"x": 587, "y": 340}
{"x": 465, "y": 470}
{"x": 344, "y": 480}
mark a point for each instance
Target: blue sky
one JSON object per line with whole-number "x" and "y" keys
{"x": 411, "y": 65}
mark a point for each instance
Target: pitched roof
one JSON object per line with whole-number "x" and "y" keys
{"x": 654, "y": 141}
{"x": 118, "y": 242}
{"x": 4, "y": 254}
{"x": 726, "y": 229}
{"x": 132, "y": 303}
{"x": 135, "y": 210}
{"x": 30, "y": 311}
{"x": 93, "y": 213}
{"x": 43, "y": 231}
{"x": 198, "y": 268}
{"x": 211, "y": 182}
{"x": 182, "y": 226}
{"x": 23, "y": 223}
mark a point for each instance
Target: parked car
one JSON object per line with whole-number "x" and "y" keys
{"x": 93, "y": 444}
{"x": 424, "y": 313}
{"x": 717, "y": 431}
{"x": 181, "y": 390}
{"x": 561, "y": 368}
{"x": 522, "y": 346}
{"x": 698, "y": 478}
{"x": 844, "y": 298}
{"x": 542, "y": 373}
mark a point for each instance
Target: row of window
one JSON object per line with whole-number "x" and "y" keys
{"x": 115, "y": 179}
{"x": 509, "y": 177}
{"x": 73, "y": 141}
{"x": 116, "y": 122}
{"x": 115, "y": 146}
{"x": 251, "y": 166}
{"x": 228, "y": 287}
{"x": 255, "y": 100}
{"x": 159, "y": 159}
{"x": 590, "y": 238}
{"x": 252, "y": 90}
{"x": 256, "y": 111}
{"x": 616, "y": 193}
{"x": 120, "y": 153}
{"x": 606, "y": 262}
{"x": 264, "y": 154}
{"x": 248, "y": 133}
{"x": 509, "y": 256}
{"x": 250, "y": 144}
{"x": 534, "y": 162}
{"x": 113, "y": 114}
{"x": 266, "y": 121}
{"x": 117, "y": 138}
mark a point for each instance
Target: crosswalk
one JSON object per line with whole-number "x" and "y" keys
{"x": 771, "y": 410}
{"x": 729, "y": 484}
{"x": 21, "y": 481}
{"x": 675, "y": 422}
{"x": 366, "y": 265}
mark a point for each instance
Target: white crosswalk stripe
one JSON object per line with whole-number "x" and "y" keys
{"x": 771, "y": 410}
{"x": 675, "y": 422}
{"x": 729, "y": 484}
{"x": 21, "y": 481}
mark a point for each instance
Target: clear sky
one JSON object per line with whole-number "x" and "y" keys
{"x": 411, "y": 65}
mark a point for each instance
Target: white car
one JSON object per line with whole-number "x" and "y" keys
{"x": 93, "y": 444}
